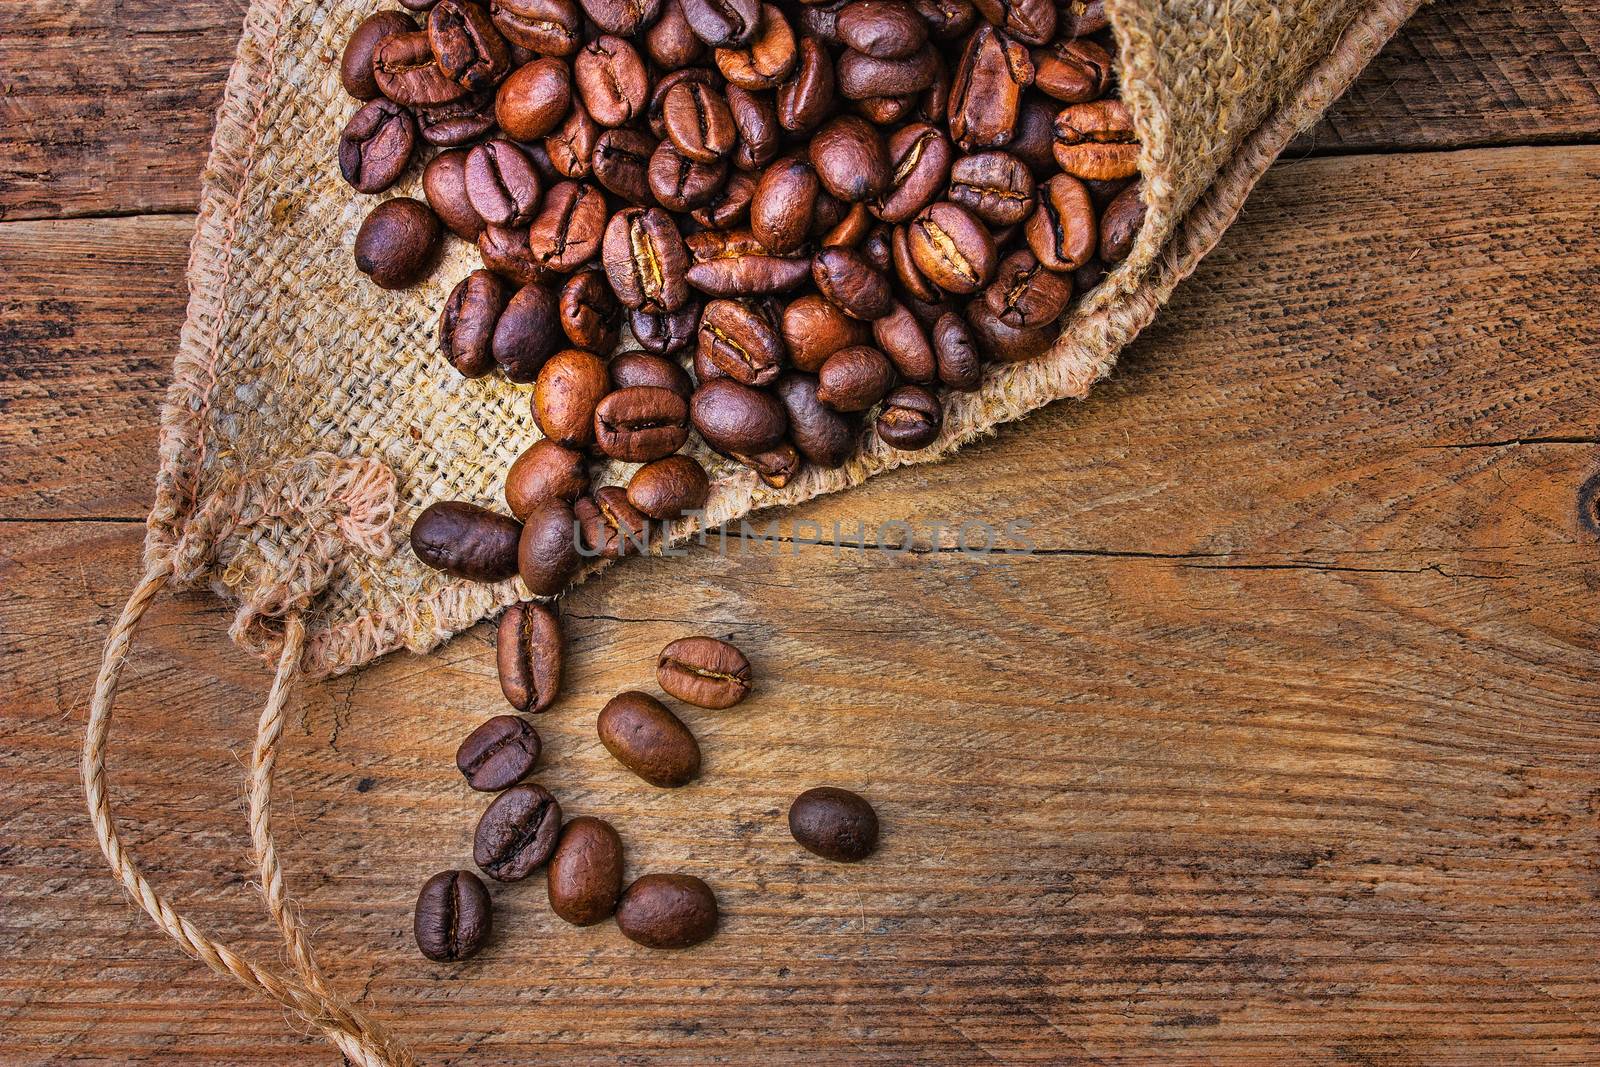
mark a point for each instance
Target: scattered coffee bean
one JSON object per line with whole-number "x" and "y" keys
{"x": 467, "y": 327}
{"x": 527, "y": 333}
{"x": 517, "y": 833}
{"x": 641, "y": 368}
{"x": 498, "y": 754}
{"x": 854, "y": 379}
{"x": 835, "y": 824}
{"x": 666, "y": 488}
{"x": 546, "y": 471}
{"x": 444, "y": 183}
{"x": 396, "y": 245}
{"x": 704, "y": 671}
{"x": 667, "y": 910}
{"x": 910, "y": 419}
{"x": 547, "y": 552}
{"x": 355, "y": 66}
{"x": 591, "y": 316}
{"x": 643, "y": 736}
{"x": 569, "y": 387}
{"x": 585, "y": 875}
{"x": 737, "y": 418}
{"x": 641, "y": 423}
{"x": 453, "y": 916}
{"x": 529, "y": 649}
{"x": 466, "y": 541}
{"x": 376, "y": 146}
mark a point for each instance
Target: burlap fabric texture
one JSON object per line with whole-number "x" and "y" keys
{"x": 309, "y": 418}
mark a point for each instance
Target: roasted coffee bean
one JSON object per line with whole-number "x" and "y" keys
{"x": 547, "y": 554}
{"x": 621, "y": 163}
{"x": 548, "y": 27}
{"x": 960, "y": 365}
{"x": 768, "y": 57}
{"x": 736, "y": 418}
{"x": 1062, "y": 232}
{"x": 900, "y": 336}
{"x": 645, "y": 259}
{"x": 723, "y": 23}
{"x": 667, "y": 911}
{"x": 910, "y": 419}
{"x": 822, "y": 435}
{"x": 854, "y": 379}
{"x": 611, "y": 80}
{"x": 1079, "y": 18}
{"x": 933, "y": 103}
{"x": 666, "y": 488}
{"x": 444, "y": 183}
{"x": 995, "y": 186}
{"x": 1072, "y": 71}
{"x": 612, "y": 528}
{"x": 776, "y": 466}
{"x": 632, "y": 369}
{"x": 1034, "y": 140}
{"x": 886, "y": 110}
{"x": 882, "y": 29}
{"x": 375, "y": 146}
{"x": 355, "y": 65}
{"x": 466, "y": 44}
{"x": 571, "y": 145}
{"x": 1120, "y": 224}
{"x": 529, "y": 649}
{"x": 584, "y": 878}
{"x": 844, "y": 276}
{"x": 741, "y": 340}
{"x": 951, "y": 248}
{"x": 643, "y": 736}
{"x": 806, "y": 96}
{"x": 835, "y": 824}
{"x": 459, "y": 122}
{"x": 670, "y": 41}
{"x": 467, "y": 326}
{"x": 1008, "y": 344}
{"x": 919, "y": 163}
{"x": 860, "y": 76}
{"x": 528, "y": 333}
{"x": 567, "y": 231}
{"x": 1096, "y": 141}
{"x": 1088, "y": 276}
{"x": 499, "y": 753}
{"x": 814, "y": 329}
{"x": 698, "y": 122}
{"x": 1102, "y": 193}
{"x": 641, "y": 423}
{"x": 986, "y": 90}
{"x": 569, "y": 388}
{"x": 534, "y": 100}
{"x": 546, "y": 471}
{"x": 822, "y": 21}
{"x": 1025, "y": 295}
{"x": 622, "y": 17}
{"x": 663, "y": 333}
{"x": 466, "y": 541}
{"x": 517, "y": 833}
{"x": 704, "y": 672}
{"x": 590, "y": 313}
{"x": 947, "y": 20}
{"x": 396, "y": 244}
{"x": 655, "y": 109}
{"x": 783, "y": 204}
{"x": 404, "y": 69}
{"x": 756, "y": 119}
{"x": 417, "y": 5}
{"x": 1028, "y": 21}
{"x": 912, "y": 279}
{"x": 679, "y": 183}
{"x": 734, "y": 263}
{"x": 453, "y": 916}
{"x": 728, "y": 206}
{"x": 505, "y": 251}
{"x": 502, "y": 184}
{"x": 850, "y": 158}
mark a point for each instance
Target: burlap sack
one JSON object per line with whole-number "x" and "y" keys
{"x": 309, "y": 419}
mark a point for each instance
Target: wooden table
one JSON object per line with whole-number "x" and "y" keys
{"x": 1282, "y": 744}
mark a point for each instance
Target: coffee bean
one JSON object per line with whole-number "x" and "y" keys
{"x": 671, "y": 42}
{"x": 505, "y": 251}
{"x": 835, "y": 824}
{"x": 723, "y": 23}
{"x": 444, "y": 184}
{"x": 547, "y": 554}
{"x": 590, "y": 313}
{"x": 375, "y": 146}
{"x": 741, "y": 341}
{"x": 397, "y": 242}
{"x": 986, "y": 91}
{"x": 1025, "y": 295}
{"x": 529, "y": 650}
{"x": 621, "y": 163}
{"x": 852, "y": 230}
{"x": 1008, "y": 344}
{"x": 1062, "y": 232}
{"x": 777, "y": 466}
{"x": 466, "y": 541}
{"x": 854, "y": 379}
{"x": 952, "y": 248}
{"x": 815, "y": 329}
{"x": 822, "y": 21}
{"x": 678, "y": 183}
{"x": 1072, "y": 71}
{"x": 913, "y": 281}
{"x": 729, "y": 205}
{"x": 622, "y": 17}
{"x": 499, "y": 753}
{"x": 861, "y": 77}
{"x": 643, "y": 736}
{"x": 887, "y": 110}
{"x": 1079, "y": 18}
{"x": 768, "y": 57}
{"x": 666, "y": 488}
{"x": 910, "y": 419}
{"x": 782, "y": 206}
{"x": 502, "y": 184}
{"x": 567, "y": 231}
{"x": 568, "y": 389}
{"x": 546, "y": 471}
{"x": 584, "y": 878}
{"x": 919, "y": 163}
{"x": 610, "y": 527}
{"x": 1097, "y": 141}
{"x": 641, "y": 423}
{"x": 960, "y": 365}
{"x": 734, "y": 263}
{"x": 611, "y": 80}
{"x": 453, "y": 916}
{"x": 571, "y": 145}
{"x": 665, "y": 332}
{"x": 355, "y": 65}
{"x": 466, "y": 44}
{"x": 632, "y": 369}
{"x": 1029, "y": 21}
{"x": 548, "y": 27}
{"x": 528, "y": 332}
{"x": 756, "y": 119}
{"x": 882, "y": 29}
{"x": 1120, "y": 224}
{"x": 704, "y": 672}
{"x": 947, "y": 20}
{"x": 517, "y": 833}
{"x": 458, "y": 122}
{"x": 645, "y": 259}
{"x": 806, "y": 96}
{"x": 698, "y": 121}
{"x": 900, "y": 336}
{"x": 534, "y": 100}
{"x": 406, "y": 73}
{"x": 467, "y": 326}
{"x": 736, "y": 418}
{"x": 850, "y": 159}
{"x": 667, "y": 911}
{"x": 995, "y": 186}
{"x": 844, "y": 276}
{"x": 933, "y": 103}
{"x": 823, "y": 436}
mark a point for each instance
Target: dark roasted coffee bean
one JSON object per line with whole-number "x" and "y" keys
{"x": 466, "y": 541}
{"x": 877, "y": 248}
{"x": 406, "y": 73}
{"x": 622, "y": 17}
{"x": 910, "y": 419}
{"x": 919, "y": 163}
{"x": 528, "y": 333}
{"x": 466, "y": 44}
{"x": 886, "y": 110}
{"x": 502, "y": 184}
{"x": 822, "y": 21}
{"x": 517, "y": 833}
{"x": 546, "y": 471}
{"x": 534, "y": 100}
{"x": 664, "y": 333}
{"x": 584, "y": 878}
{"x": 1007, "y": 344}
{"x": 844, "y": 276}
{"x": 641, "y": 423}
{"x": 1025, "y": 295}
{"x": 670, "y": 42}
{"x": 767, "y": 59}
{"x": 854, "y": 379}
{"x": 1062, "y": 232}
{"x": 655, "y": 110}
{"x": 995, "y": 186}
{"x": 806, "y": 96}
{"x": 736, "y": 418}
{"x": 912, "y": 279}
{"x": 835, "y": 824}
{"x": 822, "y": 435}
{"x": 505, "y": 251}
{"x": 756, "y": 119}
{"x": 547, "y": 554}
{"x": 453, "y": 916}
{"x": 375, "y": 146}
{"x": 1102, "y": 193}
{"x": 1034, "y": 140}
{"x": 933, "y": 103}
{"x": 698, "y": 122}
{"x": 499, "y": 753}
{"x": 645, "y": 259}
{"x": 679, "y": 183}
{"x": 611, "y": 80}
{"x": 649, "y": 740}
{"x": 1096, "y": 141}
{"x": 641, "y": 368}
{"x": 734, "y": 263}
{"x": 569, "y": 388}
{"x": 951, "y": 248}
{"x": 783, "y": 203}
{"x": 396, "y": 243}
{"x": 1120, "y": 224}
{"x": 444, "y": 184}
{"x": 776, "y": 467}
{"x": 667, "y": 911}
{"x": 852, "y": 230}
{"x": 850, "y": 158}
{"x": 467, "y": 325}
{"x": 723, "y": 23}
{"x": 1073, "y": 72}
{"x": 528, "y": 652}
{"x": 883, "y": 29}
{"x": 860, "y": 76}
{"x": 1079, "y": 18}
{"x": 621, "y": 163}
{"x": 459, "y": 122}
{"x": 1029, "y": 21}
{"x": 612, "y": 528}
{"x": 814, "y": 329}
{"x": 548, "y": 27}
{"x": 728, "y": 206}
{"x": 590, "y": 314}
{"x": 567, "y": 231}
{"x": 355, "y": 65}
{"x": 571, "y": 145}
{"x": 947, "y": 19}
{"x": 742, "y": 342}
{"x": 666, "y": 488}
{"x": 986, "y": 90}
{"x": 960, "y": 365}
{"x": 417, "y": 5}
{"x": 900, "y": 336}
{"x": 704, "y": 672}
